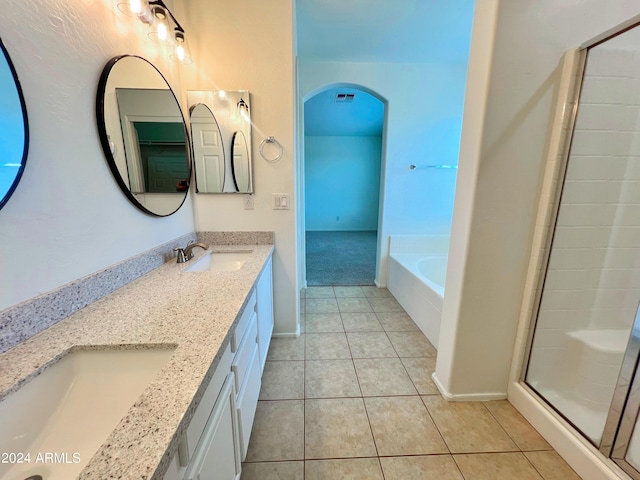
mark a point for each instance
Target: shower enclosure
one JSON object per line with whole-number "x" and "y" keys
{"x": 585, "y": 345}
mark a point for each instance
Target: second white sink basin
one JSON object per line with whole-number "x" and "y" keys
{"x": 71, "y": 408}
{"x": 220, "y": 261}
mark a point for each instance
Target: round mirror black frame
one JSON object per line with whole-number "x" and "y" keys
{"x": 104, "y": 139}
{"x": 25, "y": 150}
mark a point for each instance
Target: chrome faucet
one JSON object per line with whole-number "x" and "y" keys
{"x": 185, "y": 254}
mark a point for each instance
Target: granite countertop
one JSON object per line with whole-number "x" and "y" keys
{"x": 193, "y": 311}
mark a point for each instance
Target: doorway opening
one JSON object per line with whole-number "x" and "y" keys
{"x": 343, "y": 132}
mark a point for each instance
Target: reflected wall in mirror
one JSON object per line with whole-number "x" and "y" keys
{"x": 14, "y": 128}
{"x": 231, "y": 111}
{"x": 208, "y": 150}
{"x": 143, "y": 135}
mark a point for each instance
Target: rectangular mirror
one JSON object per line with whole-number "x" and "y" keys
{"x": 221, "y": 136}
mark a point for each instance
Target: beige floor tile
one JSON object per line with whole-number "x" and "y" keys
{"x": 551, "y": 466}
{"x": 431, "y": 467}
{"x": 303, "y": 323}
{"x": 348, "y": 469}
{"x": 319, "y": 292}
{"x": 278, "y": 432}
{"x": 326, "y": 346}
{"x": 496, "y": 466}
{"x": 370, "y": 291}
{"x": 303, "y": 293}
{"x": 323, "y": 323}
{"x": 330, "y": 379}
{"x": 303, "y": 305}
{"x": 388, "y": 304}
{"x": 286, "y": 348}
{"x": 412, "y": 344}
{"x": 520, "y": 431}
{"x": 468, "y": 426}
{"x": 370, "y": 345}
{"x": 273, "y": 471}
{"x": 348, "y": 291}
{"x": 397, "y": 322}
{"x": 383, "y": 376}
{"x": 283, "y": 380}
{"x": 361, "y": 322}
{"x": 337, "y": 428}
{"x": 321, "y": 305}
{"x": 402, "y": 426}
{"x": 420, "y": 370}
{"x": 353, "y": 305}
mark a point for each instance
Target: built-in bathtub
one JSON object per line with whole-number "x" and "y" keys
{"x": 417, "y": 272}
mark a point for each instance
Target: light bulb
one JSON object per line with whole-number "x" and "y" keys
{"x": 137, "y": 8}
{"x": 160, "y": 29}
{"x": 182, "y": 53}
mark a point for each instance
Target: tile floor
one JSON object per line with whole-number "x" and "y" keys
{"x": 352, "y": 398}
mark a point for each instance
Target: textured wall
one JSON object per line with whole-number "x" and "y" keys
{"x": 68, "y": 217}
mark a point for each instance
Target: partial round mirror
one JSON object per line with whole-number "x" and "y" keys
{"x": 143, "y": 135}
{"x": 241, "y": 166}
{"x": 208, "y": 151}
{"x": 14, "y": 128}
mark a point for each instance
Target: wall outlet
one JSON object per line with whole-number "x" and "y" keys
{"x": 247, "y": 200}
{"x": 281, "y": 201}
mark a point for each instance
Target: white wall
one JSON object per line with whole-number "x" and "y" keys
{"x": 248, "y": 45}
{"x": 68, "y": 218}
{"x": 501, "y": 176}
{"x": 342, "y": 179}
{"x": 423, "y": 116}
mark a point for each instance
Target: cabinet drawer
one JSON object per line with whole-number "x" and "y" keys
{"x": 242, "y": 324}
{"x": 242, "y": 360}
{"x": 247, "y": 402}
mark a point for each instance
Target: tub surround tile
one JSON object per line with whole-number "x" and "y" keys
{"x": 326, "y": 346}
{"x": 337, "y": 428}
{"x": 520, "y": 431}
{"x": 321, "y": 305}
{"x": 436, "y": 467}
{"x": 412, "y": 344}
{"x": 361, "y": 322}
{"x": 496, "y": 466}
{"x": 353, "y": 305}
{"x": 370, "y": 345}
{"x": 278, "y": 432}
{"x": 286, "y": 349}
{"x": 468, "y": 427}
{"x": 420, "y": 370}
{"x": 21, "y": 322}
{"x": 397, "y": 322}
{"x": 193, "y": 312}
{"x": 551, "y": 466}
{"x": 348, "y": 291}
{"x": 323, "y": 323}
{"x": 402, "y": 426}
{"x": 273, "y": 471}
{"x": 383, "y": 377}
{"x": 282, "y": 381}
{"x": 330, "y": 379}
{"x": 345, "y": 469}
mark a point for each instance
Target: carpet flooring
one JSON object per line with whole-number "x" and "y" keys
{"x": 341, "y": 258}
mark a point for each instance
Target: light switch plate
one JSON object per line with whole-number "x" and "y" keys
{"x": 281, "y": 201}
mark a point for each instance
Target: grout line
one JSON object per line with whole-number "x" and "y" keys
{"x": 501, "y": 426}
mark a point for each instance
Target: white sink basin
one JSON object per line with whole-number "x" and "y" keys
{"x": 71, "y": 408}
{"x": 220, "y": 261}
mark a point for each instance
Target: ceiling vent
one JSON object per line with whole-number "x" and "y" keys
{"x": 345, "y": 97}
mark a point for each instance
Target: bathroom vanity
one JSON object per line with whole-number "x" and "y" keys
{"x": 194, "y": 417}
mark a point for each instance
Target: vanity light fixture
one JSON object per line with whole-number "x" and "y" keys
{"x": 156, "y": 14}
{"x": 243, "y": 108}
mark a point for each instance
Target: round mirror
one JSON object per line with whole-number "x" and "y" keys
{"x": 240, "y": 164}
{"x": 14, "y": 128}
{"x": 208, "y": 151}
{"x": 143, "y": 135}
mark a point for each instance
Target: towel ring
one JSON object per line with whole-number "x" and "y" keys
{"x": 270, "y": 140}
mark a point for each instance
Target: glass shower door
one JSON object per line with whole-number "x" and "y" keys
{"x": 591, "y": 286}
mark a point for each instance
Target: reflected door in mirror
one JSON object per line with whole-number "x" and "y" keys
{"x": 208, "y": 150}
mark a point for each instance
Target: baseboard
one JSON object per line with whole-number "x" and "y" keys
{"x": 287, "y": 335}
{"x": 471, "y": 397}
{"x": 576, "y": 451}
{"x": 380, "y": 284}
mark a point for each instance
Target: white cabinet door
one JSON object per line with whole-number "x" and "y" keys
{"x": 265, "y": 312}
{"x": 217, "y": 456}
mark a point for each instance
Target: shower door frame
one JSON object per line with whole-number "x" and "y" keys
{"x": 625, "y": 407}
